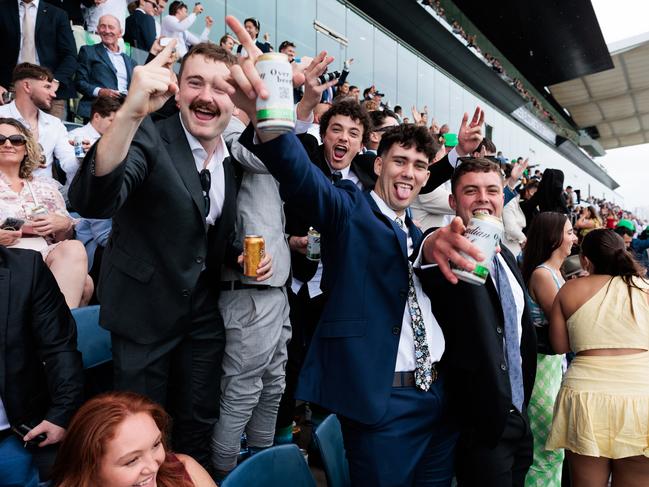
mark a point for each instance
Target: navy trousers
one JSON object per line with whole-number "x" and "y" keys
{"x": 412, "y": 445}
{"x": 17, "y": 467}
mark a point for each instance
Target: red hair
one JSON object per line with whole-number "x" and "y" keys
{"x": 94, "y": 425}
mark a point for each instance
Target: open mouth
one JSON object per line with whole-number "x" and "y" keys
{"x": 483, "y": 211}
{"x": 205, "y": 113}
{"x": 145, "y": 482}
{"x": 404, "y": 190}
{"x": 339, "y": 152}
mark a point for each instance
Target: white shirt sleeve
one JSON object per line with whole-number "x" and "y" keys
{"x": 171, "y": 24}
{"x": 64, "y": 152}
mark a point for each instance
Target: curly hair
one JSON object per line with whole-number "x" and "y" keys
{"x": 408, "y": 135}
{"x": 32, "y": 157}
{"x": 348, "y": 108}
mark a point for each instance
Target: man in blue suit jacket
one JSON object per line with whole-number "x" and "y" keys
{"x": 140, "y": 26}
{"x": 372, "y": 359}
{"x": 104, "y": 70}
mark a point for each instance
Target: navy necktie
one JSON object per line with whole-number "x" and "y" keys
{"x": 512, "y": 346}
{"x": 336, "y": 176}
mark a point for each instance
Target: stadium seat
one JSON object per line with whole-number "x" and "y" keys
{"x": 278, "y": 466}
{"x": 93, "y": 341}
{"x": 70, "y": 126}
{"x": 329, "y": 439}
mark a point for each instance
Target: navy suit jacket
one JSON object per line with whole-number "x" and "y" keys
{"x": 55, "y": 44}
{"x": 97, "y": 71}
{"x": 349, "y": 367}
{"x": 140, "y": 30}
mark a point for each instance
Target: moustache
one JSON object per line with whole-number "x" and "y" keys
{"x": 210, "y": 107}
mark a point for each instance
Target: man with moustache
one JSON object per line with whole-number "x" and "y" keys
{"x": 170, "y": 190}
{"x": 490, "y": 355}
{"x": 372, "y": 359}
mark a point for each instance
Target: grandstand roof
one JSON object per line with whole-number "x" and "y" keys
{"x": 613, "y": 104}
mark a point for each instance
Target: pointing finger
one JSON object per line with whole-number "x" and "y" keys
{"x": 243, "y": 36}
{"x": 166, "y": 56}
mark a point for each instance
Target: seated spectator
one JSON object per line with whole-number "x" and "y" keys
{"x": 45, "y": 40}
{"x": 588, "y": 221}
{"x": 382, "y": 120}
{"x": 140, "y": 29}
{"x": 227, "y": 42}
{"x": 177, "y": 25}
{"x": 102, "y": 114}
{"x": 638, "y": 247}
{"x": 253, "y": 27}
{"x": 35, "y": 89}
{"x": 104, "y": 69}
{"x": 514, "y": 221}
{"x": 42, "y": 377}
{"x": 39, "y": 204}
{"x": 119, "y": 439}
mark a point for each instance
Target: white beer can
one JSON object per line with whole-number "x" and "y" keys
{"x": 276, "y": 114}
{"x": 484, "y": 231}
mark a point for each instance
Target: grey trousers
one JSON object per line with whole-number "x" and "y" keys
{"x": 257, "y": 330}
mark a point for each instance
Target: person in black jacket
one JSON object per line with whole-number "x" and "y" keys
{"x": 55, "y": 48}
{"x": 140, "y": 29}
{"x": 41, "y": 375}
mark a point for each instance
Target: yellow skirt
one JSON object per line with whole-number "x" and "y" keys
{"x": 602, "y": 409}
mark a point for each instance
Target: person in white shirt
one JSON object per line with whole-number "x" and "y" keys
{"x": 35, "y": 89}
{"x": 102, "y": 114}
{"x": 177, "y": 25}
{"x": 117, "y": 8}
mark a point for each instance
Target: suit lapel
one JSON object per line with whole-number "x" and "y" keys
{"x": 398, "y": 232}
{"x": 103, "y": 55}
{"x": 128, "y": 62}
{"x": 183, "y": 160}
{"x": 5, "y": 276}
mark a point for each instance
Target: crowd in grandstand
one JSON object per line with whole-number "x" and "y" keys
{"x": 143, "y": 207}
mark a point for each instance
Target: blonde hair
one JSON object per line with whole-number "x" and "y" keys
{"x": 32, "y": 157}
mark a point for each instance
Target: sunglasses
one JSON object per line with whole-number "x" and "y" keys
{"x": 15, "y": 140}
{"x": 206, "y": 182}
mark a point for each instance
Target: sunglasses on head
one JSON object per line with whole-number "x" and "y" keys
{"x": 15, "y": 140}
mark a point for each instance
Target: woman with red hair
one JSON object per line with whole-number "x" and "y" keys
{"x": 119, "y": 439}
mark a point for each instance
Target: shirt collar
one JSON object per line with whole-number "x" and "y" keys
{"x": 92, "y": 130}
{"x": 197, "y": 149}
{"x": 114, "y": 53}
{"x": 385, "y": 209}
{"x": 42, "y": 116}
{"x": 344, "y": 171}
{"x": 35, "y": 2}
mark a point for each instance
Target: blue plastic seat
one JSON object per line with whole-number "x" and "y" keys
{"x": 279, "y": 466}
{"x": 329, "y": 439}
{"x": 93, "y": 341}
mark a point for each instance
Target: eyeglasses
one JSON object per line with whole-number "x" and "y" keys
{"x": 15, "y": 140}
{"x": 206, "y": 183}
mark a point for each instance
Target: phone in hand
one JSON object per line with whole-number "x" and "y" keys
{"x": 22, "y": 429}
{"x": 13, "y": 224}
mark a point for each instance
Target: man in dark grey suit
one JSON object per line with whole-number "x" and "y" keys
{"x": 170, "y": 190}
{"x": 104, "y": 70}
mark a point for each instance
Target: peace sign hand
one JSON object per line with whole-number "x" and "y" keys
{"x": 470, "y": 134}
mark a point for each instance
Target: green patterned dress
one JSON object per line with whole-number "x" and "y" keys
{"x": 547, "y": 465}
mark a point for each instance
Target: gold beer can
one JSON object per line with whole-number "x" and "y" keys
{"x": 254, "y": 249}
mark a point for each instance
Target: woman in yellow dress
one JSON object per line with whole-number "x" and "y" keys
{"x": 601, "y": 415}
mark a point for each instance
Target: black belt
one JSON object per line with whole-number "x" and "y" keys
{"x": 238, "y": 285}
{"x": 407, "y": 379}
{"x": 4, "y": 434}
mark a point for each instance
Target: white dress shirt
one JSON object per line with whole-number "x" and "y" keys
{"x": 87, "y": 132}
{"x": 117, "y": 60}
{"x": 215, "y": 166}
{"x": 179, "y": 29}
{"x": 4, "y": 420}
{"x": 32, "y": 9}
{"x": 434, "y": 336}
{"x": 53, "y": 138}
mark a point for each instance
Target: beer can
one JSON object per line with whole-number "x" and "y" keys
{"x": 78, "y": 147}
{"x": 313, "y": 245}
{"x": 276, "y": 113}
{"x": 484, "y": 231}
{"x": 254, "y": 248}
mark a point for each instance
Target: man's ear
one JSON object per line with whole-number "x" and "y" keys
{"x": 451, "y": 202}
{"x": 378, "y": 165}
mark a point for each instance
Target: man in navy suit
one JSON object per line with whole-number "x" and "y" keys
{"x": 373, "y": 357}
{"x": 140, "y": 28}
{"x": 104, "y": 70}
{"x": 50, "y": 44}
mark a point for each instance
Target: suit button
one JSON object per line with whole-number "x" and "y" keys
{"x": 503, "y": 366}
{"x": 186, "y": 292}
{"x": 499, "y": 330}
{"x": 199, "y": 260}
{"x": 403, "y": 293}
{"x": 396, "y": 330}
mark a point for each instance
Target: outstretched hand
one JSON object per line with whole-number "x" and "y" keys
{"x": 470, "y": 134}
{"x": 312, "y": 88}
{"x": 152, "y": 84}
